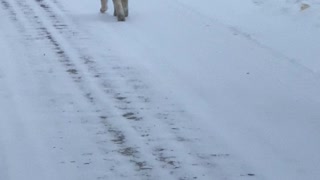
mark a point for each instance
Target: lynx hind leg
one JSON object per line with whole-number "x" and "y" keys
{"x": 125, "y": 7}
{"x": 104, "y": 6}
{"x": 118, "y": 10}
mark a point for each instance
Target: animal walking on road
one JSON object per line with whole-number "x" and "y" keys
{"x": 121, "y": 9}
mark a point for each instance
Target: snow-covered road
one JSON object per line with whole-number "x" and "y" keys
{"x": 172, "y": 93}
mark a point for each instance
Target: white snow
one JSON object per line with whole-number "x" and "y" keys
{"x": 181, "y": 90}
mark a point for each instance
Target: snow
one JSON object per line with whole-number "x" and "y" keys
{"x": 278, "y": 25}
{"x": 181, "y": 90}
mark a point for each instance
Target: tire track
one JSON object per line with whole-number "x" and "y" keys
{"x": 129, "y": 106}
{"x": 123, "y": 101}
{"x": 45, "y": 34}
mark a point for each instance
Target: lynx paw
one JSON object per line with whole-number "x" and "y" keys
{"x": 103, "y": 10}
{"x": 121, "y": 18}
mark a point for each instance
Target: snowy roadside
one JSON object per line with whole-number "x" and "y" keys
{"x": 280, "y": 26}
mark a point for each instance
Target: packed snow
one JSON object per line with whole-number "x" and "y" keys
{"x": 183, "y": 89}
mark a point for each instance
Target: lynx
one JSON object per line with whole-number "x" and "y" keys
{"x": 120, "y": 8}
